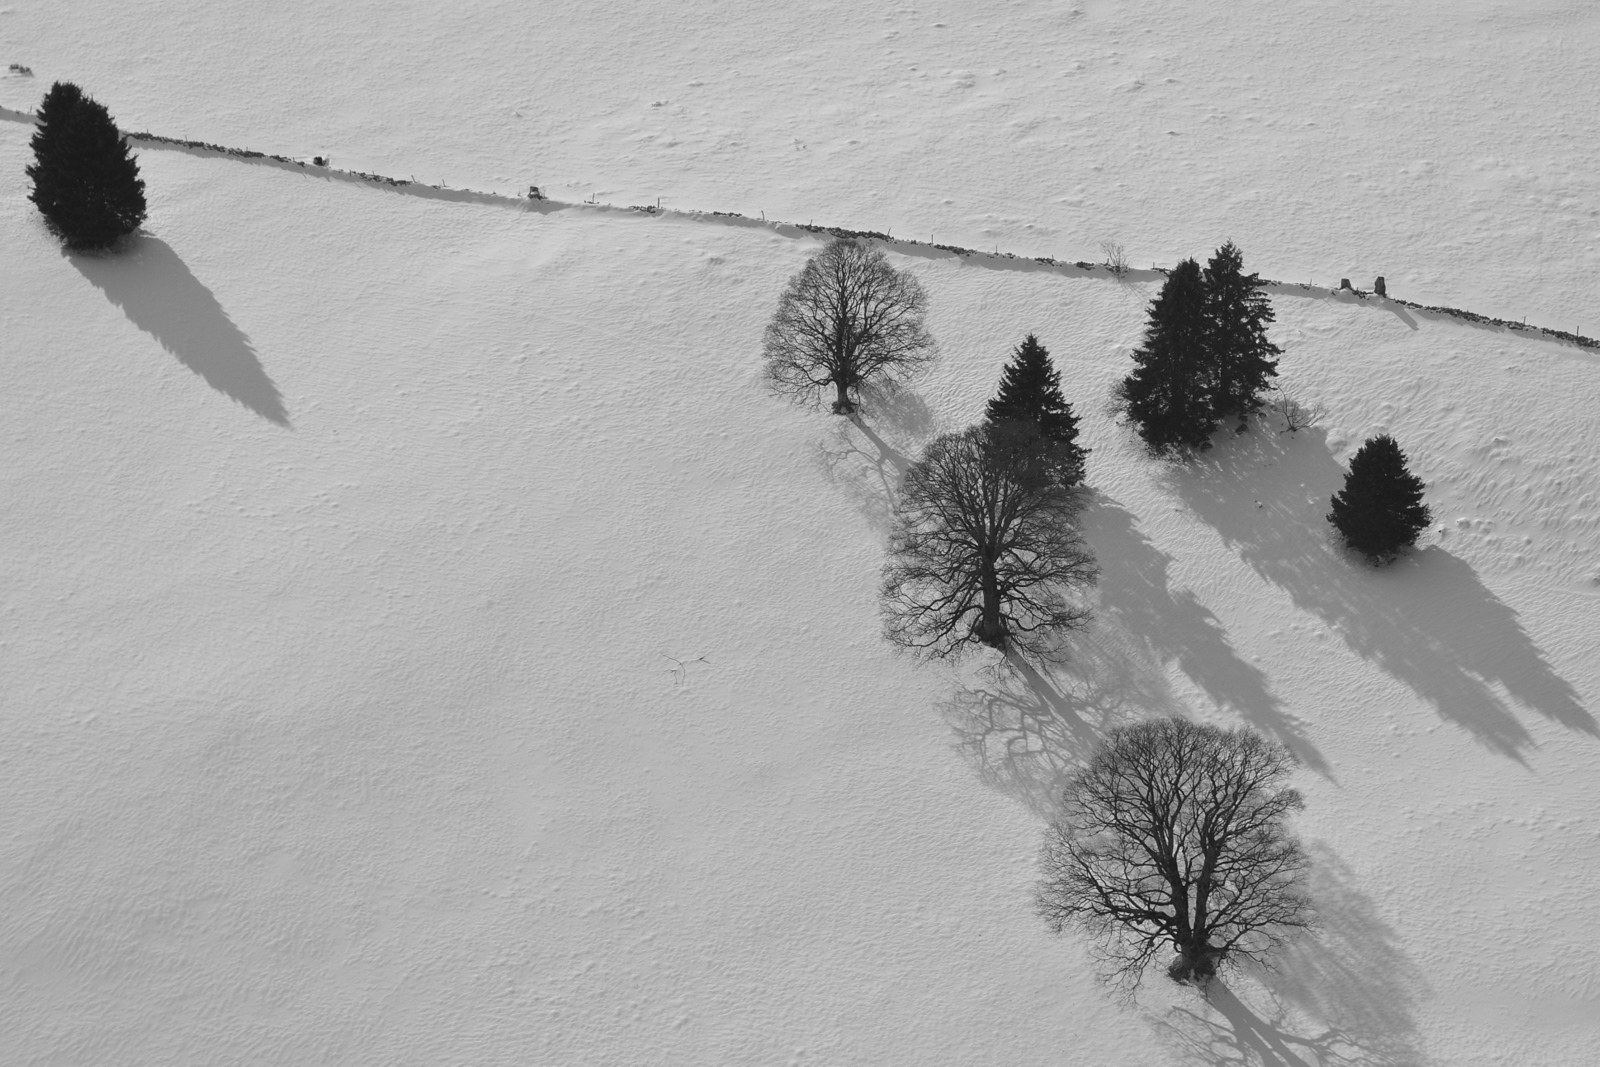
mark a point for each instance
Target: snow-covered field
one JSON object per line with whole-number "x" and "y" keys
{"x": 426, "y": 642}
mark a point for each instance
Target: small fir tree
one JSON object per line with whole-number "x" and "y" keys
{"x": 85, "y": 181}
{"x": 1380, "y": 512}
{"x": 1238, "y": 314}
{"x": 1169, "y": 394}
{"x": 1030, "y": 394}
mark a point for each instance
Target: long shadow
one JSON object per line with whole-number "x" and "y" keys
{"x": 867, "y": 462}
{"x": 1410, "y": 313}
{"x": 163, "y": 298}
{"x": 1399, "y": 312}
{"x": 1135, "y": 591}
{"x": 1025, "y": 730}
{"x": 900, "y": 410}
{"x": 1427, "y": 619}
{"x": 1345, "y": 994}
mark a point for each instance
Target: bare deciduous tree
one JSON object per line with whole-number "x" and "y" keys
{"x": 1296, "y": 416}
{"x": 1174, "y": 835}
{"x": 984, "y": 545}
{"x": 848, "y": 318}
{"x": 1116, "y": 260}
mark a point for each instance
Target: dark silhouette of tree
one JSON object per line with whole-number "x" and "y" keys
{"x": 85, "y": 181}
{"x": 848, "y": 318}
{"x": 51, "y": 184}
{"x": 1174, "y": 836}
{"x": 1380, "y": 512}
{"x": 1030, "y": 393}
{"x": 1238, "y": 313}
{"x": 1169, "y": 394}
{"x": 984, "y": 546}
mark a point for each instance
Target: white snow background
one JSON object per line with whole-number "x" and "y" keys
{"x": 426, "y": 642}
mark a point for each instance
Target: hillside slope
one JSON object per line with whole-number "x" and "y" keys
{"x": 430, "y": 644}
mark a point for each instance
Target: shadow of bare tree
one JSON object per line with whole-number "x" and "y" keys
{"x": 900, "y": 410}
{"x": 866, "y": 454}
{"x": 163, "y": 298}
{"x": 1135, "y": 593}
{"x": 1428, "y": 620}
{"x": 1342, "y": 996}
{"x": 1024, "y": 730}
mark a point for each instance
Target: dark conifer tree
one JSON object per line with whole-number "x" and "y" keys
{"x": 1030, "y": 394}
{"x": 1169, "y": 394}
{"x": 85, "y": 181}
{"x": 1380, "y": 512}
{"x": 49, "y": 148}
{"x": 1237, "y": 314}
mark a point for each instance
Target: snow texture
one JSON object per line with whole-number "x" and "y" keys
{"x": 428, "y": 643}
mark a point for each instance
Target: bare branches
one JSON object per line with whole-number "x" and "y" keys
{"x": 847, "y": 319}
{"x": 984, "y": 544}
{"x": 1175, "y": 835}
{"x": 1296, "y": 416}
{"x": 1116, "y": 260}
{"x": 680, "y": 668}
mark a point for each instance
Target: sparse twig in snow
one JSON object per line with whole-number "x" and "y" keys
{"x": 680, "y": 668}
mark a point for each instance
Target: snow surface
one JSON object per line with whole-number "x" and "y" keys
{"x": 428, "y": 643}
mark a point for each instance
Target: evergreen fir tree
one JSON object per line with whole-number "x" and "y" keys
{"x": 1169, "y": 394}
{"x": 49, "y": 150}
{"x": 1237, "y": 314}
{"x": 85, "y": 181}
{"x": 1380, "y": 511}
{"x": 1030, "y": 393}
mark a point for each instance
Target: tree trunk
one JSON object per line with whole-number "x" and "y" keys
{"x": 842, "y": 405}
{"x": 990, "y": 629}
{"x": 1194, "y": 965}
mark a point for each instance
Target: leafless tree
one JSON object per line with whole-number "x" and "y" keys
{"x": 1296, "y": 416}
{"x": 983, "y": 547}
{"x": 1116, "y": 260}
{"x": 848, "y": 318}
{"x": 1174, "y": 835}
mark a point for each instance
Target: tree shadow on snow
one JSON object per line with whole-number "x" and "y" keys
{"x": 1427, "y": 619}
{"x": 1174, "y": 626}
{"x": 1025, "y": 729}
{"x": 163, "y": 298}
{"x": 1344, "y": 994}
{"x": 866, "y": 453}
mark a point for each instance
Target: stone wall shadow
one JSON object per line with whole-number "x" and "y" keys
{"x": 1135, "y": 592}
{"x": 160, "y": 295}
{"x": 1427, "y": 620}
{"x": 1345, "y": 994}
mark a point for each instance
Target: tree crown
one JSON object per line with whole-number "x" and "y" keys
{"x": 1168, "y": 395}
{"x": 85, "y": 181}
{"x": 1379, "y": 511}
{"x": 847, "y": 318}
{"x": 984, "y": 544}
{"x": 1030, "y": 394}
{"x": 1175, "y": 834}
